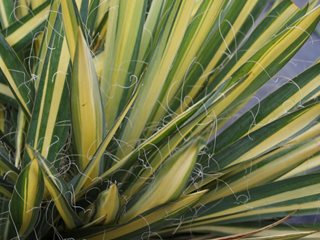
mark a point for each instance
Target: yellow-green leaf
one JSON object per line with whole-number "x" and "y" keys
{"x": 107, "y": 205}
{"x": 26, "y": 199}
{"x": 169, "y": 182}
{"x": 86, "y": 105}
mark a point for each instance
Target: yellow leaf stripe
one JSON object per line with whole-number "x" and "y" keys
{"x": 34, "y": 22}
{"x": 150, "y": 218}
{"x": 86, "y": 105}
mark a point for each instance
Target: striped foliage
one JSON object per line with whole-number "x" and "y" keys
{"x": 128, "y": 119}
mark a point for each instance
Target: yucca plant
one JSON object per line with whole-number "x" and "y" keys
{"x": 120, "y": 120}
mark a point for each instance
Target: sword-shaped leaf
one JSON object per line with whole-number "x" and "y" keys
{"x": 71, "y": 23}
{"x": 126, "y": 24}
{"x": 266, "y": 168}
{"x": 18, "y": 78}
{"x": 156, "y": 74}
{"x": 216, "y": 25}
{"x": 26, "y": 199}
{"x": 169, "y": 182}
{"x": 79, "y": 180}
{"x": 266, "y": 62}
{"x": 274, "y": 199}
{"x": 107, "y": 205}
{"x": 48, "y": 127}
{"x": 58, "y": 190}
{"x": 86, "y": 106}
{"x": 188, "y": 119}
{"x": 150, "y": 219}
{"x": 21, "y": 33}
{"x": 267, "y": 137}
{"x": 279, "y": 103}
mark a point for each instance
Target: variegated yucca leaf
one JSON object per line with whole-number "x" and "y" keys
{"x": 26, "y": 200}
{"x": 138, "y": 226}
{"x": 17, "y": 76}
{"x": 107, "y": 206}
{"x": 128, "y": 119}
{"x": 122, "y": 41}
{"x": 57, "y": 189}
{"x": 86, "y": 105}
{"x": 48, "y": 127}
{"x": 21, "y": 33}
{"x": 169, "y": 182}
